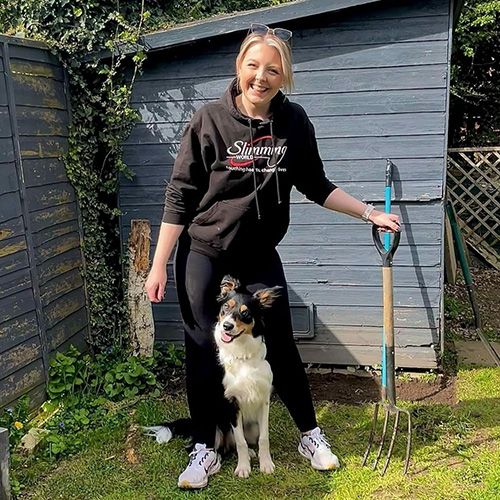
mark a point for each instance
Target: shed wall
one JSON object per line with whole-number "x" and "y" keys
{"x": 374, "y": 83}
{"x": 42, "y": 296}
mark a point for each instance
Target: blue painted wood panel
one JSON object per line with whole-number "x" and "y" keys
{"x": 157, "y": 111}
{"x": 150, "y": 190}
{"x": 401, "y": 124}
{"x": 352, "y": 316}
{"x": 303, "y": 213}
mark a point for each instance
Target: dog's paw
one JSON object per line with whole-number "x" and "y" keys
{"x": 266, "y": 465}
{"x": 242, "y": 470}
{"x": 251, "y": 453}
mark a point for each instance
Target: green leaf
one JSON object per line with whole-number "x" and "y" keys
{"x": 130, "y": 379}
{"x": 131, "y": 392}
{"x": 72, "y": 400}
{"x": 55, "y": 388}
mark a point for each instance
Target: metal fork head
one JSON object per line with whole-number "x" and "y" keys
{"x": 389, "y": 409}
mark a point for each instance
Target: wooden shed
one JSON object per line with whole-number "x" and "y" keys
{"x": 374, "y": 78}
{"x": 42, "y": 295}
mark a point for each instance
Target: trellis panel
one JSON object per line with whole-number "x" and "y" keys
{"x": 473, "y": 187}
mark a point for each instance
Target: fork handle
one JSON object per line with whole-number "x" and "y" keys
{"x": 390, "y": 389}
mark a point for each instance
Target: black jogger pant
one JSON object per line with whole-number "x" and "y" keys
{"x": 198, "y": 279}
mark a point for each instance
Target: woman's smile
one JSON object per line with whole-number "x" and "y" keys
{"x": 258, "y": 88}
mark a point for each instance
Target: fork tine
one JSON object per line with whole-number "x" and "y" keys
{"x": 389, "y": 409}
{"x": 391, "y": 444}
{"x": 382, "y": 439}
{"x": 372, "y": 434}
{"x": 408, "y": 446}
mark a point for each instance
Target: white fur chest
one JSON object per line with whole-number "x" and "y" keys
{"x": 247, "y": 375}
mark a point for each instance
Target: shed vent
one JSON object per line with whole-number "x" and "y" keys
{"x": 303, "y": 320}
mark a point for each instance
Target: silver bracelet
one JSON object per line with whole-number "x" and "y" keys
{"x": 368, "y": 211}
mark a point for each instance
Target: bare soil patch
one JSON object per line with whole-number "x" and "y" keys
{"x": 354, "y": 390}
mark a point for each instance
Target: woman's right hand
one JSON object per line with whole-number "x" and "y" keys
{"x": 155, "y": 284}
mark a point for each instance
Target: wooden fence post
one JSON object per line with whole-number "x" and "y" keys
{"x": 4, "y": 464}
{"x": 142, "y": 331}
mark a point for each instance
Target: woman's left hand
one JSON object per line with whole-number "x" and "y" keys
{"x": 387, "y": 223}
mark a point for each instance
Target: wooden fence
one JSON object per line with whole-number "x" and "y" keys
{"x": 42, "y": 294}
{"x": 474, "y": 187}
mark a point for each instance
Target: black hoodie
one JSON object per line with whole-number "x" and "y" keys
{"x": 233, "y": 175}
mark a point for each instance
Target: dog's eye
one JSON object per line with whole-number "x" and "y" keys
{"x": 246, "y": 317}
{"x": 225, "y": 306}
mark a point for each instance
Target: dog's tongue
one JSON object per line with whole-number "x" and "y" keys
{"x": 225, "y": 337}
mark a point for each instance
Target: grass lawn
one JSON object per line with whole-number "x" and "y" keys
{"x": 456, "y": 455}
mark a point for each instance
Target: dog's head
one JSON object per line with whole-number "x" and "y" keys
{"x": 241, "y": 312}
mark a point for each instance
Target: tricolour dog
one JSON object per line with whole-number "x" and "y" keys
{"x": 247, "y": 375}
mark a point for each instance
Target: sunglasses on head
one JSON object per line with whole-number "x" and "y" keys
{"x": 262, "y": 29}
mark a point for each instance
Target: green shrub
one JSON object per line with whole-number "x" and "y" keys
{"x": 70, "y": 374}
{"x": 130, "y": 378}
{"x": 73, "y": 375}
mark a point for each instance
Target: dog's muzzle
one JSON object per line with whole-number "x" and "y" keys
{"x": 226, "y": 335}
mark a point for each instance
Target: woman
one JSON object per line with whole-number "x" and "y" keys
{"x": 238, "y": 160}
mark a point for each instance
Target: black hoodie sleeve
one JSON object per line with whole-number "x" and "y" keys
{"x": 310, "y": 178}
{"x": 189, "y": 180}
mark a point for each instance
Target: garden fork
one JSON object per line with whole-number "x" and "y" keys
{"x": 388, "y": 401}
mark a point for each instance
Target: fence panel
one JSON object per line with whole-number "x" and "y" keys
{"x": 474, "y": 187}
{"x": 42, "y": 292}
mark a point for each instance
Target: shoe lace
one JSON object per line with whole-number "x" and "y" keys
{"x": 319, "y": 439}
{"x": 194, "y": 455}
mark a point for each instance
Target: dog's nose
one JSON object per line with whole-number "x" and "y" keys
{"x": 227, "y": 326}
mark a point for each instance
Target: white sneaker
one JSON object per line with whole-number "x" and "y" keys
{"x": 203, "y": 462}
{"x": 315, "y": 447}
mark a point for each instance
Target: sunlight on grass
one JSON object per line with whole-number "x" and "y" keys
{"x": 478, "y": 384}
{"x": 455, "y": 456}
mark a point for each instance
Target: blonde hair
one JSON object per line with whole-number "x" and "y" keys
{"x": 283, "y": 49}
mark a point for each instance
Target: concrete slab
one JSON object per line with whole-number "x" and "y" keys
{"x": 473, "y": 352}
{"x": 32, "y": 439}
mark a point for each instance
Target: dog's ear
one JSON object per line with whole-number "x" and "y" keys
{"x": 267, "y": 296}
{"x": 228, "y": 284}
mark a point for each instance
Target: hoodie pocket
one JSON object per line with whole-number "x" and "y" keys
{"x": 218, "y": 226}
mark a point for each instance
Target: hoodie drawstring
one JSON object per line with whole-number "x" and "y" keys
{"x": 253, "y": 168}
{"x": 273, "y": 155}
{"x": 276, "y": 166}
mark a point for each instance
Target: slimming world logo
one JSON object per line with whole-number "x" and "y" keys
{"x": 243, "y": 153}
